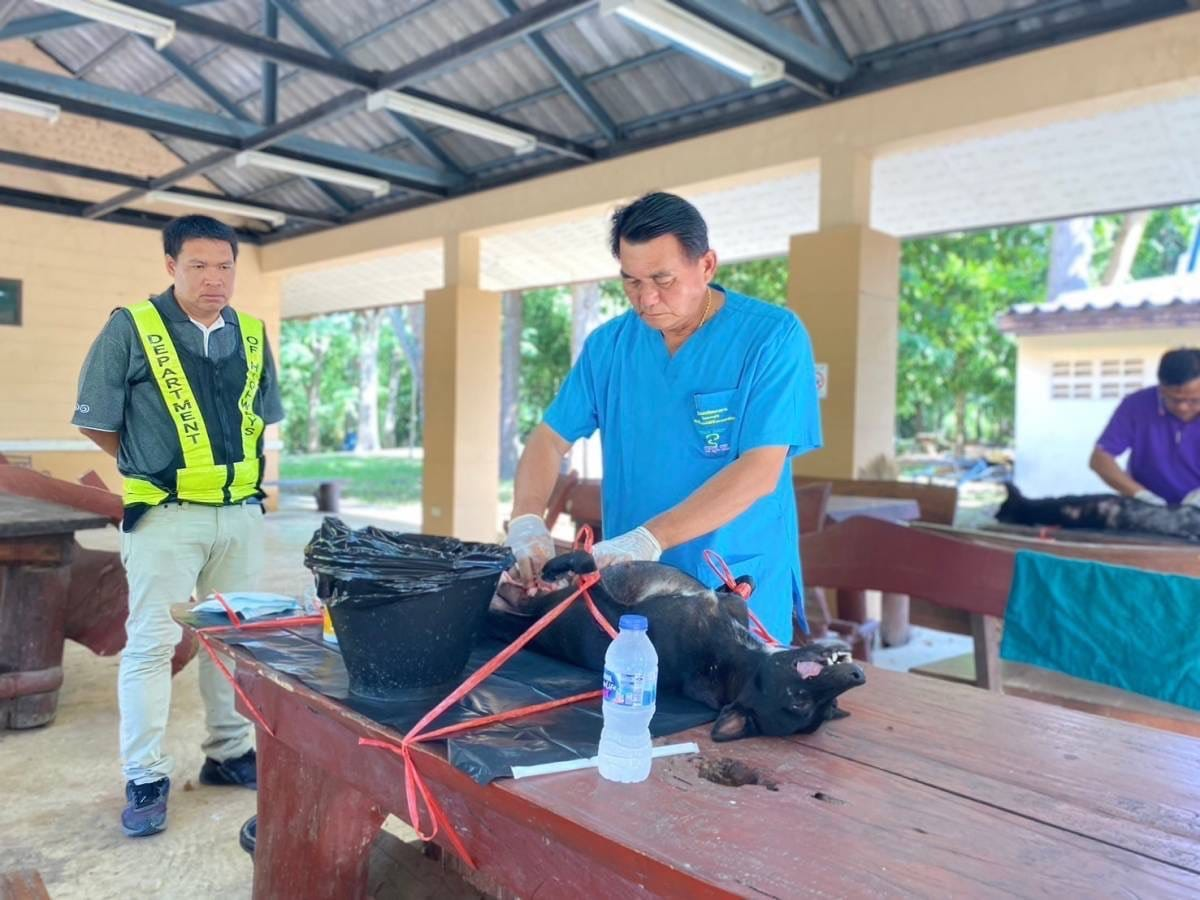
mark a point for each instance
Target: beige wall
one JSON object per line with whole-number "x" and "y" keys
{"x": 1054, "y": 438}
{"x": 73, "y": 273}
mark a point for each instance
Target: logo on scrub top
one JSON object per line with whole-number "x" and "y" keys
{"x": 713, "y": 425}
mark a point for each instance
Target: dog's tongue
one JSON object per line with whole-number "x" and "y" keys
{"x": 809, "y": 669}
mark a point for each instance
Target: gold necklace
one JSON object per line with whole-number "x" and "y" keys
{"x": 707, "y": 307}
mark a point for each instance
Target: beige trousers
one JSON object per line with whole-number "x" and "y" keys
{"x": 173, "y": 550}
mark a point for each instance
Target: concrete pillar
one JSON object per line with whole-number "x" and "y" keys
{"x": 844, "y": 282}
{"x": 462, "y": 400}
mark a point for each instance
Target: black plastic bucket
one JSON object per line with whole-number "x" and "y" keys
{"x": 416, "y": 641}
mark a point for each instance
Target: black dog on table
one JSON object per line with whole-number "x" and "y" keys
{"x": 1101, "y": 512}
{"x": 705, "y": 650}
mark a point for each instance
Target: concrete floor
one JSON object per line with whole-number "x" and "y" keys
{"x": 63, "y": 791}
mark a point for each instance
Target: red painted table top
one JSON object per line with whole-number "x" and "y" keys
{"x": 927, "y": 789}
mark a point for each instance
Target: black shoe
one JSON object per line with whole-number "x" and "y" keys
{"x": 241, "y": 771}
{"x": 145, "y": 811}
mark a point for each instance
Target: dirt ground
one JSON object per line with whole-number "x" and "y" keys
{"x": 62, "y": 791}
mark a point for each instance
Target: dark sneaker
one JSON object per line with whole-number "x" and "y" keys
{"x": 240, "y": 771}
{"x": 145, "y": 811}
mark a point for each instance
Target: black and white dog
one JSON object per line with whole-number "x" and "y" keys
{"x": 1101, "y": 512}
{"x": 705, "y": 650}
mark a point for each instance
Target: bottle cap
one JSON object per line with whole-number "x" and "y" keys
{"x": 633, "y": 623}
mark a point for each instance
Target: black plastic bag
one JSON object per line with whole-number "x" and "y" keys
{"x": 372, "y": 565}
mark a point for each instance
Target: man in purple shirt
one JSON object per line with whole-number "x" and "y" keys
{"x": 1160, "y": 426}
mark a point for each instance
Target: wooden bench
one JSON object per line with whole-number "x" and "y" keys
{"x": 972, "y": 579}
{"x": 937, "y": 504}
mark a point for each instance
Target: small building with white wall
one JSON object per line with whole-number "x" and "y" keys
{"x": 1076, "y": 358}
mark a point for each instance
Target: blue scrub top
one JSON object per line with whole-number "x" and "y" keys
{"x": 670, "y": 423}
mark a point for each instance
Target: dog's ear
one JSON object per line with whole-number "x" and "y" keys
{"x": 732, "y": 723}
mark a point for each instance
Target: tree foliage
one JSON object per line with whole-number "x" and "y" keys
{"x": 955, "y": 367}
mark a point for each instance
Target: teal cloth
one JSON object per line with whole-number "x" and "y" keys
{"x": 1135, "y": 630}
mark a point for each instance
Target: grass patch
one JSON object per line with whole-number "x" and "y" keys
{"x": 382, "y": 479}
{"x": 376, "y": 478}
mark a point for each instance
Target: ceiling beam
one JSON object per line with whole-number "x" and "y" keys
{"x": 970, "y": 29}
{"x": 111, "y": 105}
{"x": 270, "y": 68}
{"x": 106, "y": 176}
{"x": 818, "y": 23}
{"x": 63, "y": 206}
{"x": 267, "y": 48}
{"x": 410, "y": 126}
{"x": 192, "y": 75}
{"x": 512, "y": 28}
{"x": 35, "y": 26}
{"x": 758, "y": 29}
{"x": 566, "y": 77}
{"x": 371, "y": 80}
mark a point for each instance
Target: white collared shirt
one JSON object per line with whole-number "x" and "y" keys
{"x": 207, "y": 330}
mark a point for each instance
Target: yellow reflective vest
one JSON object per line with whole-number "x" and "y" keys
{"x": 201, "y": 479}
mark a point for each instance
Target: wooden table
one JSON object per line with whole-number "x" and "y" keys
{"x": 928, "y": 789}
{"x": 852, "y": 605}
{"x": 36, "y": 547}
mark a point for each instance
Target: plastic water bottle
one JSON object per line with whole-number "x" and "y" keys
{"x": 630, "y": 686}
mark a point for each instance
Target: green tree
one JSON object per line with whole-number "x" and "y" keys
{"x": 1167, "y": 237}
{"x": 766, "y": 279}
{"x": 953, "y": 362}
{"x": 545, "y": 352}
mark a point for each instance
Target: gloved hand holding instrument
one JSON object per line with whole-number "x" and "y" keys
{"x": 531, "y": 544}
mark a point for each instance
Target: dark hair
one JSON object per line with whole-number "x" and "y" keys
{"x": 656, "y": 214}
{"x": 189, "y": 228}
{"x": 1178, "y": 367}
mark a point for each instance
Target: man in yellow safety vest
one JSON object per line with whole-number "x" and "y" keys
{"x": 179, "y": 389}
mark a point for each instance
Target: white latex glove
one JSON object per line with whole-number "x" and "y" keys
{"x": 530, "y": 543}
{"x": 1192, "y": 499}
{"x": 1149, "y": 497}
{"x": 631, "y": 546}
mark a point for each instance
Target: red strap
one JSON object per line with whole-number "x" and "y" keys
{"x": 239, "y": 625}
{"x": 414, "y": 784}
{"x": 717, "y": 564}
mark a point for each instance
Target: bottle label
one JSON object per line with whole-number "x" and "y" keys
{"x": 629, "y": 689}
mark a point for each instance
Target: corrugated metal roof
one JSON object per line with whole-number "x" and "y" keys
{"x": 648, "y": 88}
{"x": 1170, "y": 290}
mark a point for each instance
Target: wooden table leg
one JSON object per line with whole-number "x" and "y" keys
{"x": 314, "y": 831}
{"x": 986, "y": 630}
{"x": 34, "y": 575}
{"x": 893, "y": 628}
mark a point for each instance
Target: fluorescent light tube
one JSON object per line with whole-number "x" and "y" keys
{"x": 211, "y": 204}
{"x": 161, "y": 29}
{"x": 519, "y": 141}
{"x": 682, "y": 27}
{"x": 376, "y": 187}
{"x": 25, "y": 106}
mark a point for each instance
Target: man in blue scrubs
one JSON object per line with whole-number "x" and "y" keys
{"x": 701, "y": 396}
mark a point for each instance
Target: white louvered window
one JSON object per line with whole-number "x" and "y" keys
{"x": 1104, "y": 379}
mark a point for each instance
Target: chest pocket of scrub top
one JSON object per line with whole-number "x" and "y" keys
{"x": 715, "y": 421}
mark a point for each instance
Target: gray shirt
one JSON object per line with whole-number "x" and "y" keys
{"x": 118, "y": 393}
